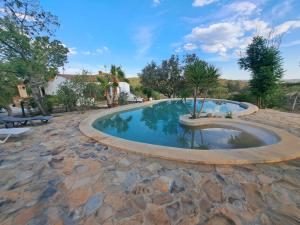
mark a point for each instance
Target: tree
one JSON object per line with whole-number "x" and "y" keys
{"x": 110, "y": 83}
{"x": 164, "y": 78}
{"x": 118, "y": 73}
{"x": 31, "y": 56}
{"x": 8, "y": 89}
{"x": 202, "y": 77}
{"x": 263, "y": 60}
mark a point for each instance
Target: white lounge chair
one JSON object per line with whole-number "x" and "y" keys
{"x": 8, "y": 132}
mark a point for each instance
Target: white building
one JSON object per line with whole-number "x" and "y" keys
{"x": 53, "y": 85}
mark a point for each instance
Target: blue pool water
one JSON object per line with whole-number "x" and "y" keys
{"x": 159, "y": 124}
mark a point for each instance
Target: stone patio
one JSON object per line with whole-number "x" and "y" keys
{"x": 56, "y": 175}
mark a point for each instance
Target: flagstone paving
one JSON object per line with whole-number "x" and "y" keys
{"x": 58, "y": 176}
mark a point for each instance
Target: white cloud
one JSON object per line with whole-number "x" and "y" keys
{"x": 242, "y": 8}
{"x": 86, "y": 53}
{"x": 282, "y": 9}
{"x": 286, "y": 26}
{"x": 156, "y": 2}
{"x": 292, "y": 43}
{"x": 21, "y": 16}
{"x": 222, "y": 38}
{"x": 216, "y": 38}
{"x": 76, "y": 68}
{"x": 72, "y": 51}
{"x": 102, "y": 50}
{"x": 143, "y": 39}
{"x": 190, "y": 47}
{"x": 257, "y": 26}
{"x": 200, "y": 3}
{"x": 99, "y": 51}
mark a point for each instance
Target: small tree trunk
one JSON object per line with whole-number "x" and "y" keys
{"x": 203, "y": 101}
{"x": 39, "y": 101}
{"x": 115, "y": 97}
{"x": 36, "y": 94}
{"x": 259, "y": 102}
{"x": 294, "y": 103}
{"x": 109, "y": 100}
{"x": 195, "y": 103}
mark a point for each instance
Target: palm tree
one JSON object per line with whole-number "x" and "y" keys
{"x": 202, "y": 77}
{"x": 110, "y": 83}
{"x": 106, "y": 85}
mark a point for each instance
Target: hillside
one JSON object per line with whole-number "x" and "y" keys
{"x": 135, "y": 81}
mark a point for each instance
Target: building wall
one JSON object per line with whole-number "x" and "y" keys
{"x": 52, "y": 86}
{"x": 124, "y": 87}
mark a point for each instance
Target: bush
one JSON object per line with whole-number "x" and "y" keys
{"x": 79, "y": 92}
{"x": 51, "y": 101}
{"x": 155, "y": 95}
{"x": 67, "y": 96}
{"x": 245, "y": 96}
{"x": 94, "y": 91}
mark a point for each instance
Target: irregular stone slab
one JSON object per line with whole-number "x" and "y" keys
{"x": 93, "y": 204}
{"x": 162, "y": 198}
{"x": 24, "y": 175}
{"x": 173, "y": 211}
{"x": 128, "y": 211}
{"x": 48, "y": 193}
{"x": 130, "y": 180}
{"x": 68, "y": 167}
{"x": 163, "y": 183}
{"x": 155, "y": 215}
{"x": 213, "y": 190}
{"x": 254, "y": 199}
{"x": 125, "y": 162}
{"x": 79, "y": 196}
{"x": 139, "y": 202}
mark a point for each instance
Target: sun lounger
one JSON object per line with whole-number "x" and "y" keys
{"x": 8, "y": 132}
{"x": 21, "y": 121}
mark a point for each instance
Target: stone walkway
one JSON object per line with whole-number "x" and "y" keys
{"x": 57, "y": 176}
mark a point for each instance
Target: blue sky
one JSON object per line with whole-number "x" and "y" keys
{"x": 131, "y": 33}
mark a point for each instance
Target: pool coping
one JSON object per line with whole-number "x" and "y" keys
{"x": 287, "y": 148}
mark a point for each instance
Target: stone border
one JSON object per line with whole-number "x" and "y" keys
{"x": 288, "y": 148}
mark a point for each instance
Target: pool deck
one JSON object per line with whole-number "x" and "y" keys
{"x": 56, "y": 175}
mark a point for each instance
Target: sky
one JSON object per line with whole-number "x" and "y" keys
{"x": 133, "y": 33}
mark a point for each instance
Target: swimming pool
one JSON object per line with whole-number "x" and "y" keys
{"x": 158, "y": 124}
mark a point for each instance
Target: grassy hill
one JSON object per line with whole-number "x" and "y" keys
{"x": 135, "y": 81}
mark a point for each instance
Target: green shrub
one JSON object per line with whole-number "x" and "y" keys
{"x": 51, "y": 101}
{"x": 245, "y": 96}
{"x": 67, "y": 96}
{"x": 155, "y": 95}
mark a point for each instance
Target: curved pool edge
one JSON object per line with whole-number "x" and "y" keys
{"x": 287, "y": 149}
